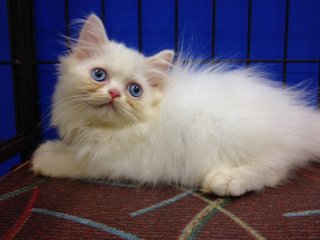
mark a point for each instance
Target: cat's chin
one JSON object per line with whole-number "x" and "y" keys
{"x": 108, "y": 114}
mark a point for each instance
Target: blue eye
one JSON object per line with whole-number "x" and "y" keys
{"x": 98, "y": 74}
{"x": 135, "y": 90}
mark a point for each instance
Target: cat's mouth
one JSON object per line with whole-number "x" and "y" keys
{"x": 109, "y": 105}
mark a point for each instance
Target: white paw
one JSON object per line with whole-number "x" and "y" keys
{"x": 55, "y": 159}
{"x": 224, "y": 182}
{"x": 45, "y": 158}
{"x": 39, "y": 167}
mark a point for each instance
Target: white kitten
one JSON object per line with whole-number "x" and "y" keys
{"x": 123, "y": 115}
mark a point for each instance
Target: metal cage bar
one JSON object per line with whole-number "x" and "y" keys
{"x": 285, "y": 48}
{"x": 249, "y": 31}
{"x": 66, "y": 21}
{"x": 103, "y": 11}
{"x": 20, "y": 15}
{"x": 213, "y": 27}
{"x": 139, "y": 25}
{"x": 176, "y": 25}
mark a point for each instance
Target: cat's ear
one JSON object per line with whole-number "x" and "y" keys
{"x": 159, "y": 65}
{"x": 92, "y": 36}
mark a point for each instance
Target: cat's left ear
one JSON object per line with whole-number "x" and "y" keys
{"x": 159, "y": 65}
{"x": 92, "y": 36}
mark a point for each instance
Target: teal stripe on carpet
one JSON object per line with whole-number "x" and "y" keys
{"x": 87, "y": 222}
{"x": 302, "y": 214}
{"x": 23, "y": 189}
{"x": 161, "y": 204}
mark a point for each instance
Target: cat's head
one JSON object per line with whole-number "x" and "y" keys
{"x": 106, "y": 82}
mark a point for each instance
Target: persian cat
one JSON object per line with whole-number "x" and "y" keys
{"x": 122, "y": 115}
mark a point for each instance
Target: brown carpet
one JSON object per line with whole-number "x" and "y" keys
{"x": 44, "y": 208}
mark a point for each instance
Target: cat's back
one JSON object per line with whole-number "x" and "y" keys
{"x": 206, "y": 90}
{"x": 209, "y": 92}
{"x": 201, "y": 101}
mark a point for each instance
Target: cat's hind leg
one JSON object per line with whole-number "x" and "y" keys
{"x": 235, "y": 181}
{"x": 56, "y": 159}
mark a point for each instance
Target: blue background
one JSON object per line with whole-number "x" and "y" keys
{"x": 158, "y": 32}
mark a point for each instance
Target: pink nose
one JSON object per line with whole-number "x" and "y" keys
{"x": 114, "y": 93}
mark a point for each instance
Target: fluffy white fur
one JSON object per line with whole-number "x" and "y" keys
{"x": 226, "y": 131}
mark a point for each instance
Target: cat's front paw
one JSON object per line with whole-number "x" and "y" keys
{"x": 224, "y": 182}
{"x": 48, "y": 158}
{"x": 56, "y": 159}
{"x": 42, "y": 160}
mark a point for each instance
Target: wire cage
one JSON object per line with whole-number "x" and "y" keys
{"x": 282, "y": 36}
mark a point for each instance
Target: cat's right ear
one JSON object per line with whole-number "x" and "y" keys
{"x": 159, "y": 65}
{"x": 92, "y": 36}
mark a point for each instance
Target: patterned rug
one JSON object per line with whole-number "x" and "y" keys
{"x": 45, "y": 208}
